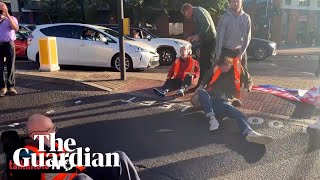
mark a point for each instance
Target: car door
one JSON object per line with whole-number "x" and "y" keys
{"x": 20, "y": 45}
{"x": 97, "y": 51}
{"x": 67, "y": 42}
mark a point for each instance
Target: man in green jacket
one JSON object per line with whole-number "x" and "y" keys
{"x": 205, "y": 34}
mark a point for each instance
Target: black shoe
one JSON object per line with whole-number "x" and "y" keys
{"x": 237, "y": 103}
{"x": 158, "y": 92}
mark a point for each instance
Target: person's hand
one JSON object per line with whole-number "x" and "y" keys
{"x": 196, "y": 38}
{"x": 190, "y": 39}
{"x": 240, "y": 57}
{"x": 5, "y": 12}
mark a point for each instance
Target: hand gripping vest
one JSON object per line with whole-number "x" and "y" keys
{"x": 237, "y": 71}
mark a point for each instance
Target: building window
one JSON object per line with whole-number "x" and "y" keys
{"x": 304, "y": 2}
{"x": 318, "y": 3}
{"x": 288, "y": 2}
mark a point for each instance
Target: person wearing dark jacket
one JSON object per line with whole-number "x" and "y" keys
{"x": 205, "y": 34}
{"x": 215, "y": 100}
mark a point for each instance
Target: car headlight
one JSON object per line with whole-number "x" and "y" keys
{"x": 272, "y": 44}
{"x": 179, "y": 43}
{"x": 139, "y": 49}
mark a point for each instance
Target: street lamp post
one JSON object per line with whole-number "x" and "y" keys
{"x": 121, "y": 45}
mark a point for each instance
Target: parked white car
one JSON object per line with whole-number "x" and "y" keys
{"x": 74, "y": 48}
{"x": 168, "y": 48}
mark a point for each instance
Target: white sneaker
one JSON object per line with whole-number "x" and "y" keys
{"x": 213, "y": 124}
{"x": 180, "y": 92}
{"x": 255, "y": 137}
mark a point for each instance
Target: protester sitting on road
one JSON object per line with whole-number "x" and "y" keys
{"x": 182, "y": 74}
{"x": 215, "y": 101}
{"x": 42, "y": 125}
{"x": 234, "y": 72}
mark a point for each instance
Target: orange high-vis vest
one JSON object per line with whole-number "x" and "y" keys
{"x": 59, "y": 176}
{"x": 189, "y": 70}
{"x": 237, "y": 71}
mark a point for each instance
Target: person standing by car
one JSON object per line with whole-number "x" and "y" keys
{"x": 234, "y": 36}
{"x": 205, "y": 34}
{"x": 8, "y": 27}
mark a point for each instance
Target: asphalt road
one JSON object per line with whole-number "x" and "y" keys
{"x": 169, "y": 143}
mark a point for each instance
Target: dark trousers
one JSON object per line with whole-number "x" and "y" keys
{"x": 174, "y": 84}
{"x": 244, "y": 61}
{"x": 207, "y": 56}
{"x": 126, "y": 171}
{"x": 7, "y": 50}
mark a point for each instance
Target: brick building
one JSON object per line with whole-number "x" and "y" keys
{"x": 286, "y": 21}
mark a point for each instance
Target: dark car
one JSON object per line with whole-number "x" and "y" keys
{"x": 259, "y": 49}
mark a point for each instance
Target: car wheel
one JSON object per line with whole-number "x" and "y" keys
{"x": 167, "y": 56}
{"x": 260, "y": 53}
{"x": 116, "y": 63}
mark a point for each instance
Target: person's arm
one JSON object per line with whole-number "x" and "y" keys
{"x": 220, "y": 36}
{"x": 206, "y": 79}
{"x": 246, "y": 37}
{"x": 203, "y": 22}
{"x": 13, "y": 21}
{"x": 171, "y": 71}
{"x": 196, "y": 70}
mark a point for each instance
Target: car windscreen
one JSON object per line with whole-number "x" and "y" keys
{"x": 114, "y": 33}
{"x": 31, "y": 27}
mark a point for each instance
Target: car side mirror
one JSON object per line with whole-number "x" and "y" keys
{"x": 148, "y": 37}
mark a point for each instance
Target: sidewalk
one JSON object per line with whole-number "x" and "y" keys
{"x": 137, "y": 86}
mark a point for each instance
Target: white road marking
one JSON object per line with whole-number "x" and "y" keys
{"x": 78, "y": 102}
{"x": 167, "y": 106}
{"x": 186, "y": 107}
{"x": 276, "y": 124}
{"x": 147, "y": 103}
{"x": 50, "y": 112}
{"x": 255, "y": 120}
{"x": 128, "y": 101}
